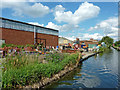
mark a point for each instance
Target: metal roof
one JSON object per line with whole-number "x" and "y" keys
{"x": 27, "y": 23}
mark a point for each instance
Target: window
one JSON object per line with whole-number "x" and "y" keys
{"x": 3, "y": 23}
{"x": 22, "y": 26}
{"x": 25, "y": 27}
{"x": 30, "y": 28}
{"x": 14, "y": 25}
{"x": 46, "y": 31}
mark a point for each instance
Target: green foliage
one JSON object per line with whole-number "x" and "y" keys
{"x": 55, "y": 58}
{"x": 102, "y": 49}
{"x": 3, "y": 45}
{"x": 117, "y": 43}
{"x": 7, "y": 45}
{"x": 11, "y": 45}
{"x": 18, "y": 71}
{"x": 108, "y": 40}
{"x": 20, "y": 46}
{"x": 29, "y": 45}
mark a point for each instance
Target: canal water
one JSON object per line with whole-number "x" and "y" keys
{"x": 100, "y": 71}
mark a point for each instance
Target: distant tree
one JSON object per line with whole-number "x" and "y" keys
{"x": 108, "y": 40}
{"x": 99, "y": 42}
{"x": 117, "y": 43}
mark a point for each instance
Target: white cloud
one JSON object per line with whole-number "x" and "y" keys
{"x": 94, "y": 36}
{"x": 85, "y": 11}
{"x": 62, "y": 28}
{"x": 23, "y": 8}
{"x": 72, "y": 38}
{"x": 85, "y": 36}
{"x": 106, "y": 24}
{"x": 14, "y": 0}
{"x": 36, "y": 23}
{"x": 53, "y": 26}
{"x": 109, "y": 27}
{"x": 59, "y": 8}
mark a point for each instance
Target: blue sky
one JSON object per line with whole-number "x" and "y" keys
{"x": 84, "y": 20}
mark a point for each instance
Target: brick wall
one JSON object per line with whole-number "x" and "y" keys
{"x": 19, "y": 37}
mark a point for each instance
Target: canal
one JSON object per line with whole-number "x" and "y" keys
{"x": 100, "y": 71}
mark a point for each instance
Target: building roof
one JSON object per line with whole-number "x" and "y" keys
{"x": 28, "y": 23}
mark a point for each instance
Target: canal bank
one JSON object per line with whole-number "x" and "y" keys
{"x": 62, "y": 73}
{"x": 99, "y": 71}
{"x": 117, "y": 48}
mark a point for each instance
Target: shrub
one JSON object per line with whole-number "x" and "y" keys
{"x": 27, "y": 73}
{"x": 55, "y": 58}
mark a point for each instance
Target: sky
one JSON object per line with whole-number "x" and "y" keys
{"x": 84, "y": 20}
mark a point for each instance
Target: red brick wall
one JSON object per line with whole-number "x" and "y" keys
{"x": 88, "y": 42}
{"x": 19, "y": 37}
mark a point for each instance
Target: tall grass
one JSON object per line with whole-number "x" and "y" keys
{"x": 19, "y": 60}
{"x": 21, "y": 70}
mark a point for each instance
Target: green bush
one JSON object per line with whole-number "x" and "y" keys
{"x": 102, "y": 49}
{"x": 55, "y": 58}
{"x": 12, "y": 45}
{"x": 3, "y": 45}
{"x": 33, "y": 72}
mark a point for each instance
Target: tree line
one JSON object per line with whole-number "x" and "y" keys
{"x": 109, "y": 41}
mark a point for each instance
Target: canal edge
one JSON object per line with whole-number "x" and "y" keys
{"x": 47, "y": 81}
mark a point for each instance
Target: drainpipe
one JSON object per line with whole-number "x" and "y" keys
{"x": 34, "y": 35}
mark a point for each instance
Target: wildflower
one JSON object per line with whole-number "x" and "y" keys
{"x": 2, "y": 67}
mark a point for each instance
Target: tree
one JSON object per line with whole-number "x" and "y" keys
{"x": 117, "y": 43}
{"x": 108, "y": 40}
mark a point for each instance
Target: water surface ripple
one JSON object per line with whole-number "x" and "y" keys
{"x": 100, "y": 71}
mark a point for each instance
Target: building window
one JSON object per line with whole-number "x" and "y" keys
{"x": 3, "y": 23}
{"x": 25, "y": 27}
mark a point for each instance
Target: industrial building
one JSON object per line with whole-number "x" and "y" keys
{"x": 21, "y": 33}
{"x": 90, "y": 43}
{"x": 63, "y": 41}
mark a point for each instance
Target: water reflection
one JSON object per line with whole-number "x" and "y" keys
{"x": 100, "y": 71}
{"x": 67, "y": 80}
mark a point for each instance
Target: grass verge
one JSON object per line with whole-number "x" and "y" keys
{"x": 18, "y": 75}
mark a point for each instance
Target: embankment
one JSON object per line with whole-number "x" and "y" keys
{"x": 45, "y": 81}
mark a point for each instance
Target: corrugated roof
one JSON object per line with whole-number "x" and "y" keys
{"x": 27, "y": 23}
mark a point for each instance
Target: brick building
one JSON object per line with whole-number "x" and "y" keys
{"x": 90, "y": 43}
{"x": 21, "y": 33}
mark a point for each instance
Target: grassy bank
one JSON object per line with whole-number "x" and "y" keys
{"x": 22, "y": 69}
{"x": 116, "y": 47}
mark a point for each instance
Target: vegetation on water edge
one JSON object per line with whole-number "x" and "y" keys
{"x": 117, "y": 43}
{"x": 19, "y": 70}
{"x": 102, "y": 49}
{"x": 108, "y": 41}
